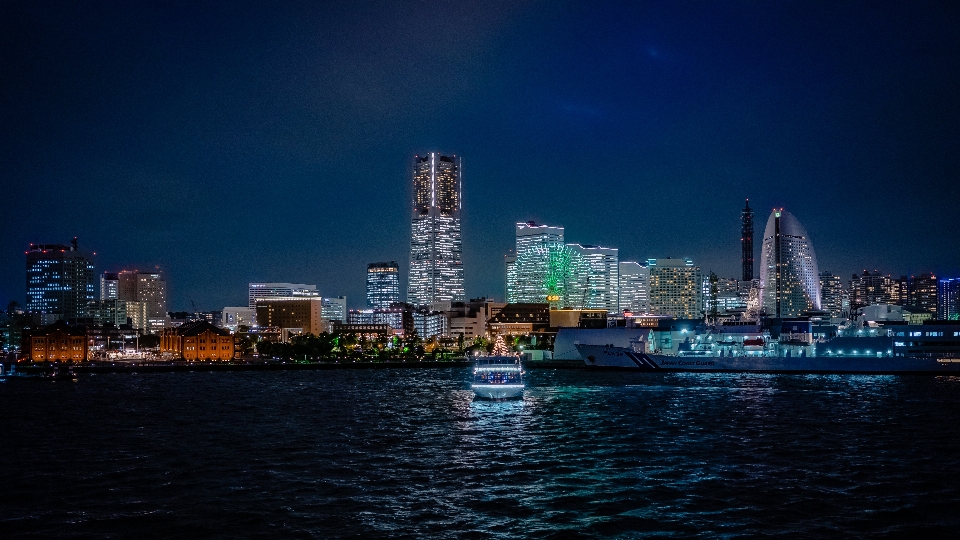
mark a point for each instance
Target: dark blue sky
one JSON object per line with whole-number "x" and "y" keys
{"x": 236, "y": 142}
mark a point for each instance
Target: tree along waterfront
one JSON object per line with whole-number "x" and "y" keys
{"x": 334, "y": 347}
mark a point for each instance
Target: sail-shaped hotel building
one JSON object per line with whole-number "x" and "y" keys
{"x": 789, "y": 277}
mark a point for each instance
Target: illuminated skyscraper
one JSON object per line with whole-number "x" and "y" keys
{"x": 296, "y": 315}
{"x": 948, "y": 299}
{"x": 789, "y": 278}
{"x": 436, "y": 264}
{"x": 266, "y": 291}
{"x": 598, "y": 283}
{"x": 868, "y": 289}
{"x": 676, "y": 288}
{"x": 335, "y": 309}
{"x": 530, "y": 236}
{"x": 634, "y": 287}
{"x": 730, "y": 294}
{"x": 831, "y": 294}
{"x": 148, "y": 288}
{"x": 383, "y": 284}
{"x": 746, "y": 240}
{"x": 60, "y": 280}
{"x": 922, "y": 292}
{"x": 109, "y": 286}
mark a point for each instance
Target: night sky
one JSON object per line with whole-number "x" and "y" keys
{"x": 228, "y": 142}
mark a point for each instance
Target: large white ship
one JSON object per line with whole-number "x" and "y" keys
{"x": 903, "y": 349}
{"x": 601, "y": 356}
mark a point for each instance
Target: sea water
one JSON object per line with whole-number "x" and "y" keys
{"x": 409, "y": 453}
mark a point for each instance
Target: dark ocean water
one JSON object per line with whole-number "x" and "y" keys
{"x": 409, "y": 453}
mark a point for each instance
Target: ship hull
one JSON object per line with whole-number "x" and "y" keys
{"x": 497, "y": 391}
{"x": 602, "y": 357}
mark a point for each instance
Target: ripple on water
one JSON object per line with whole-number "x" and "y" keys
{"x": 410, "y": 453}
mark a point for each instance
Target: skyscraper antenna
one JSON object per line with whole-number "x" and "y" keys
{"x": 746, "y": 241}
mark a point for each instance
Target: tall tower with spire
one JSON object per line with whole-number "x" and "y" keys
{"x": 746, "y": 241}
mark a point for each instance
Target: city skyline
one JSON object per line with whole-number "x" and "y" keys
{"x": 636, "y": 134}
{"x": 510, "y": 260}
{"x": 363, "y": 301}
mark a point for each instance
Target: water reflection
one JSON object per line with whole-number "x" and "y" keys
{"x": 412, "y": 453}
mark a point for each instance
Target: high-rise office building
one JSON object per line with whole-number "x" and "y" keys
{"x": 868, "y": 289}
{"x": 899, "y": 291}
{"x": 533, "y": 241}
{"x": 831, "y": 294}
{"x": 676, "y": 288}
{"x": 789, "y": 278}
{"x": 948, "y": 299}
{"x": 383, "y": 284}
{"x": 399, "y": 317}
{"x": 150, "y": 288}
{"x": 510, "y": 271}
{"x": 723, "y": 295}
{"x": 291, "y": 315}
{"x": 746, "y": 241}
{"x": 60, "y": 280}
{"x": 922, "y": 292}
{"x": 108, "y": 311}
{"x": 599, "y": 282}
{"x": 144, "y": 295}
{"x": 109, "y": 286}
{"x": 126, "y": 285}
{"x": 634, "y": 287}
{"x": 436, "y": 263}
{"x": 530, "y": 234}
{"x": 265, "y": 291}
{"x": 429, "y": 323}
{"x": 137, "y": 314}
{"x": 335, "y": 309}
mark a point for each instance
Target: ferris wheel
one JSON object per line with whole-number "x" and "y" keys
{"x": 554, "y": 273}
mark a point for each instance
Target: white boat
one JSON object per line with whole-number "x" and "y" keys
{"x": 497, "y": 377}
{"x": 601, "y": 356}
{"x": 932, "y": 347}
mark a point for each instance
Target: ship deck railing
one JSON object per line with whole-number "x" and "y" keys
{"x": 497, "y": 361}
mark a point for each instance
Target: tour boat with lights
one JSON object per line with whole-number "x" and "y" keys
{"x": 497, "y": 377}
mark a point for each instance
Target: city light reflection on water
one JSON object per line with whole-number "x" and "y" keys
{"x": 383, "y": 453}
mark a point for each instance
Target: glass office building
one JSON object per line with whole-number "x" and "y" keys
{"x": 383, "y": 284}
{"x": 60, "y": 280}
{"x": 436, "y": 250}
